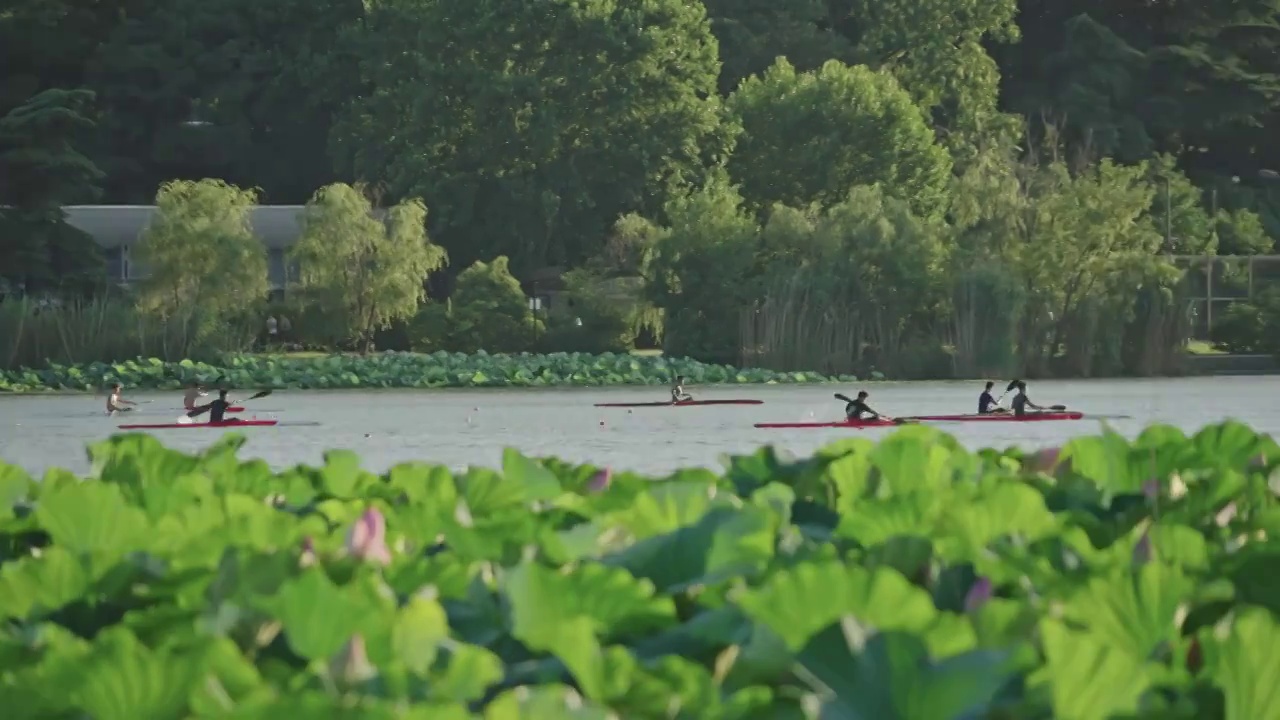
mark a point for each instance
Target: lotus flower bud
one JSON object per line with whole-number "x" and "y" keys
{"x": 1045, "y": 460}
{"x": 368, "y": 538}
{"x": 1142, "y": 552}
{"x": 979, "y": 593}
{"x": 600, "y": 481}
{"x": 351, "y": 665}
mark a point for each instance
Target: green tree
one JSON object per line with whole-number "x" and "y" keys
{"x": 812, "y": 137}
{"x": 753, "y": 34}
{"x": 206, "y": 271}
{"x": 243, "y": 90}
{"x": 42, "y": 169}
{"x": 700, "y": 276}
{"x": 365, "y": 271}
{"x": 529, "y": 127}
{"x": 937, "y": 50}
{"x": 487, "y": 311}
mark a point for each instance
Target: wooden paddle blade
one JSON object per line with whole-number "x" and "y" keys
{"x": 838, "y": 396}
{"x": 1058, "y": 408}
{"x": 259, "y": 394}
{"x": 198, "y": 412}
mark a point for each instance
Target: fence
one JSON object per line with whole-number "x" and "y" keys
{"x": 1216, "y": 282}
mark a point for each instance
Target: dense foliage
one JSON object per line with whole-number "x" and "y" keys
{"x": 397, "y": 370}
{"x": 903, "y": 580}
{"x": 1050, "y": 155}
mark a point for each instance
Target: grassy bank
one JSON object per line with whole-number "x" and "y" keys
{"x": 863, "y": 582}
{"x": 397, "y": 370}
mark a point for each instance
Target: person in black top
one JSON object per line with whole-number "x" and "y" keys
{"x": 218, "y": 408}
{"x": 987, "y": 404}
{"x": 859, "y": 410}
{"x": 1021, "y": 402}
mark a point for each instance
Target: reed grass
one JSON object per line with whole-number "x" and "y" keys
{"x": 104, "y": 330}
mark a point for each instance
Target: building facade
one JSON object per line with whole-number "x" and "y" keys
{"x": 118, "y": 228}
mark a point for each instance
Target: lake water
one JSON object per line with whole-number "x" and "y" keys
{"x": 471, "y": 427}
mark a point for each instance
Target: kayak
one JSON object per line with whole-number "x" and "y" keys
{"x": 239, "y": 423}
{"x": 1004, "y": 417}
{"x": 839, "y": 424}
{"x": 1030, "y": 417}
{"x": 682, "y": 404}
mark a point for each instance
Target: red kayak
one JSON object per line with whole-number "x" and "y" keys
{"x": 238, "y": 423}
{"x": 840, "y": 424}
{"x": 1004, "y": 417}
{"x": 682, "y": 404}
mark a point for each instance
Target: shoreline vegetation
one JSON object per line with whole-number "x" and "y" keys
{"x": 169, "y": 584}
{"x": 441, "y": 369}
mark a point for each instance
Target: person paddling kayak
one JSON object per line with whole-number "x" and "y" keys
{"x": 217, "y": 409}
{"x": 988, "y": 405}
{"x": 678, "y": 395}
{"x": 116, "y": 403}
{"x": 859, "y": 410}
{"x": 194, "y": 392}
{"x": 1022, "y": 401}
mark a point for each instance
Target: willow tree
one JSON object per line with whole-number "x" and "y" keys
{"x": 361, "y": 267}
{"x": 206, "y": 271}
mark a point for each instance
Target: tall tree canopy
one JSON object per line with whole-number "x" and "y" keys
{"x": 529, "y": 127}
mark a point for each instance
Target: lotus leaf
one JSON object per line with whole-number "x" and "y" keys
{"x": 910, "y": 579}
{"x": 397, "y": 370}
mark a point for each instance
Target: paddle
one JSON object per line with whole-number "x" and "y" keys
{"x": 202, "y": 410}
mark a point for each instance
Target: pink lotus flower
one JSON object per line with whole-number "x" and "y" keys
{"x": 601, "y": 481}
{"x": 979, "y": 593}
{"x": 368, "y": 538}
{"x": 1045, "y": 460}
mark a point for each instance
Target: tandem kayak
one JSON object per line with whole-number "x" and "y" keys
{"x": 682, "y": 404}
{"x": 238, "y": 423}
{"x": 1002, "y": 417}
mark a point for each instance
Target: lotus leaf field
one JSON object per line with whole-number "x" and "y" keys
{"x": 399, "y": 370}
{"x": 905, "y": 580}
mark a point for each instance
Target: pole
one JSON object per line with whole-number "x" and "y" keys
{"x": 1168, "y": 217}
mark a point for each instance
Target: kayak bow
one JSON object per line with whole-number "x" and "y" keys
{"x": 682, "y": 404}
{"x": 166, "y": 426}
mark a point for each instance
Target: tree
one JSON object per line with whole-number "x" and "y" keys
{"x": 529, "y": 127}
{"x": 935, "y": 49}
{"x": 365, "y": 271}
{"x": 812, "y": 137}
{"x": 240, "y": 89}
{"x": 42, "y": 169}
{"x": 206, "y": 271}
{"x": 701, "y": 270}
{"x": 753, "y": 34}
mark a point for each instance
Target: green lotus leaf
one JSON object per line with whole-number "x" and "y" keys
{"x": 91, "y": 518}
{"x": 1087, "y": 677}
{"x": 124, "y": 680}
{"x": 318, "y": 616}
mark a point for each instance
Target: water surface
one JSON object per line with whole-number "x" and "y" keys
{"x": 471, "y": 427}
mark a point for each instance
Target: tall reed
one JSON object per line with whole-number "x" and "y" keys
{"x": 33, "y": 334}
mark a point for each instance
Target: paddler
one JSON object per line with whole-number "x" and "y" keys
{"x": 678, "y": 395}
{"x": 1021, "y": 401}
{"x": 218, "y": 408}
{"x": 987, "y": 405}
{"x": 859, "y": 410}
{"x": 195, "y": 391}
{"x": 116, "y": 403}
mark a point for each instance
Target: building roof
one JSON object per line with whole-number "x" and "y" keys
{"x": 116, "y": 225}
